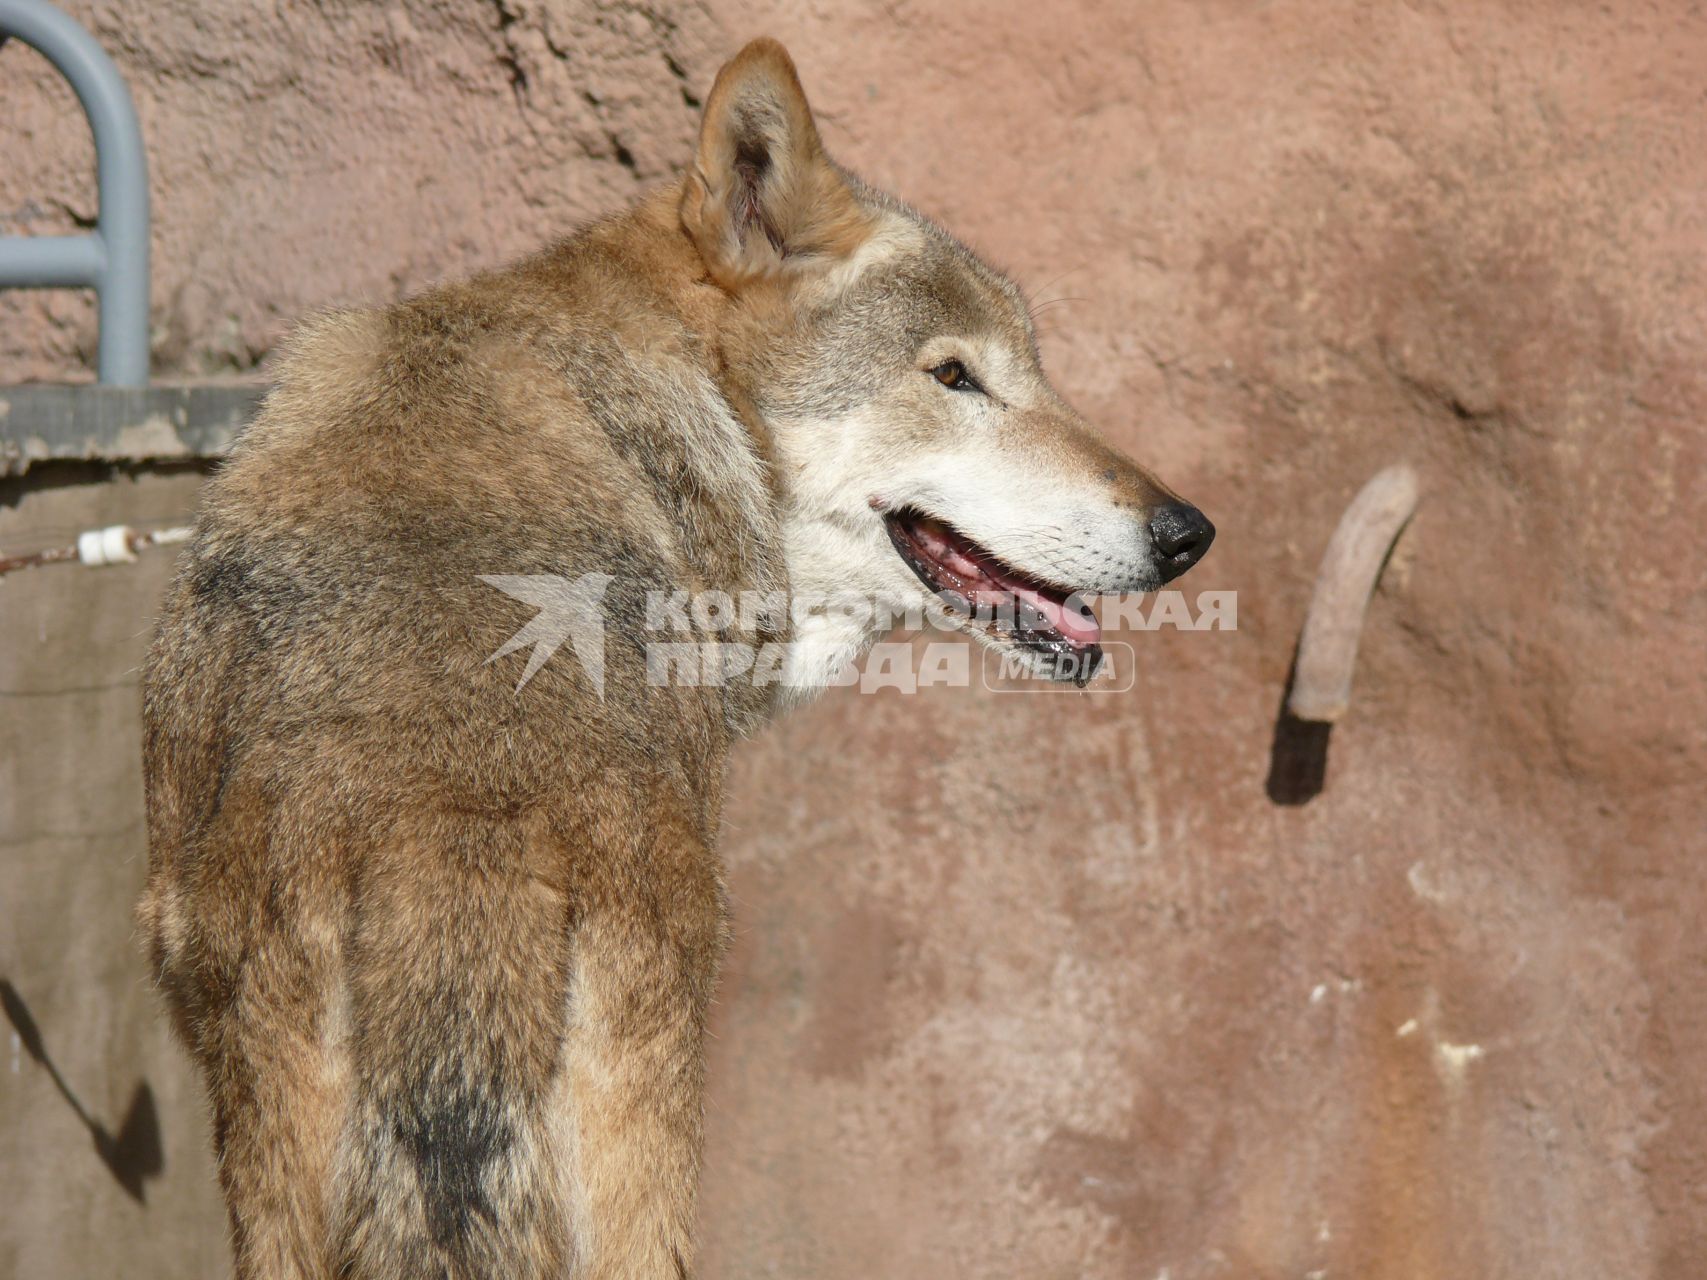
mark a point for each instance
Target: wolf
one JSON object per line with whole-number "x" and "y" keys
{"x": 442, "y": 947}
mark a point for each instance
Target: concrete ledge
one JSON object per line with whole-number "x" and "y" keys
{"x": 47, "y": 422}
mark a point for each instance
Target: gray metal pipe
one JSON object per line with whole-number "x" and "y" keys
{"x": 115, "y": 259}
{"x": 52, "y": 262}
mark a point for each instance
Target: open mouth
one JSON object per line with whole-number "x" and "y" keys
{"x": 1017, "y": 608}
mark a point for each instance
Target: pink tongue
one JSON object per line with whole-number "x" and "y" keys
{"x": 1080, "y": 628}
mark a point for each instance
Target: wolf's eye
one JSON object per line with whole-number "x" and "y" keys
{"x": 952, "y": 374}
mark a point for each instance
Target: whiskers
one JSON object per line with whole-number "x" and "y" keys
{"x": 1037, "y": 309}
{"x": 1074, "y": 559}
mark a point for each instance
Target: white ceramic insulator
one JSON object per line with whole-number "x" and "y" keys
{"x": 112, "y": 545}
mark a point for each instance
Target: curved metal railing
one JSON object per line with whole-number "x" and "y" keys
{"x": 113, "y": 260}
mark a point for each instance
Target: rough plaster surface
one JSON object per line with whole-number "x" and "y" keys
{"x": 1048, "y": 986}
{"x": 71, "y": 865}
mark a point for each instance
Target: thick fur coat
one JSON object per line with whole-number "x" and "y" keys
{"x": 443, "y": 947}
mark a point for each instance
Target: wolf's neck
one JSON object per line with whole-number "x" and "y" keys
{"x": 712, "y": 460}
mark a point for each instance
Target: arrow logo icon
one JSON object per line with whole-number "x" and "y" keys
{"x": 572, "y": 611}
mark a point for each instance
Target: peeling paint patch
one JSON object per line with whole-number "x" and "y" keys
{"x": 154, "y": 437}
{"x": 1424, "y": 886}
{"x": 1345, "y": 986}
{"x": 1456, "y": 1057}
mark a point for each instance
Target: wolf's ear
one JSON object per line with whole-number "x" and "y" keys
{"x": 762, "y": 193}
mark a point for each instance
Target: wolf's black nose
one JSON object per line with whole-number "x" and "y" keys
{"x": 1182, "y": 535}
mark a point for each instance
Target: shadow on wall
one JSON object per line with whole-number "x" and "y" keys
{"x": 1298, "y": 756}
{"x": 135, "y": 1154}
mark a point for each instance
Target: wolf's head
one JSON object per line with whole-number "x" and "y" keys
{"x": 921, "y": 450}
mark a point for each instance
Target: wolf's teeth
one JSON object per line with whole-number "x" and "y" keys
{"x": 1077, "y": 627}
{"x": 962, "y": 563}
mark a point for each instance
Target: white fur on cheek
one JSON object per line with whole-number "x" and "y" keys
{"x": 835, "y": 545}
{"x": 1059, "y": 526}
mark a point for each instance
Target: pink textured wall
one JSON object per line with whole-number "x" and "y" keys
{"x": 1049, "y": 986}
